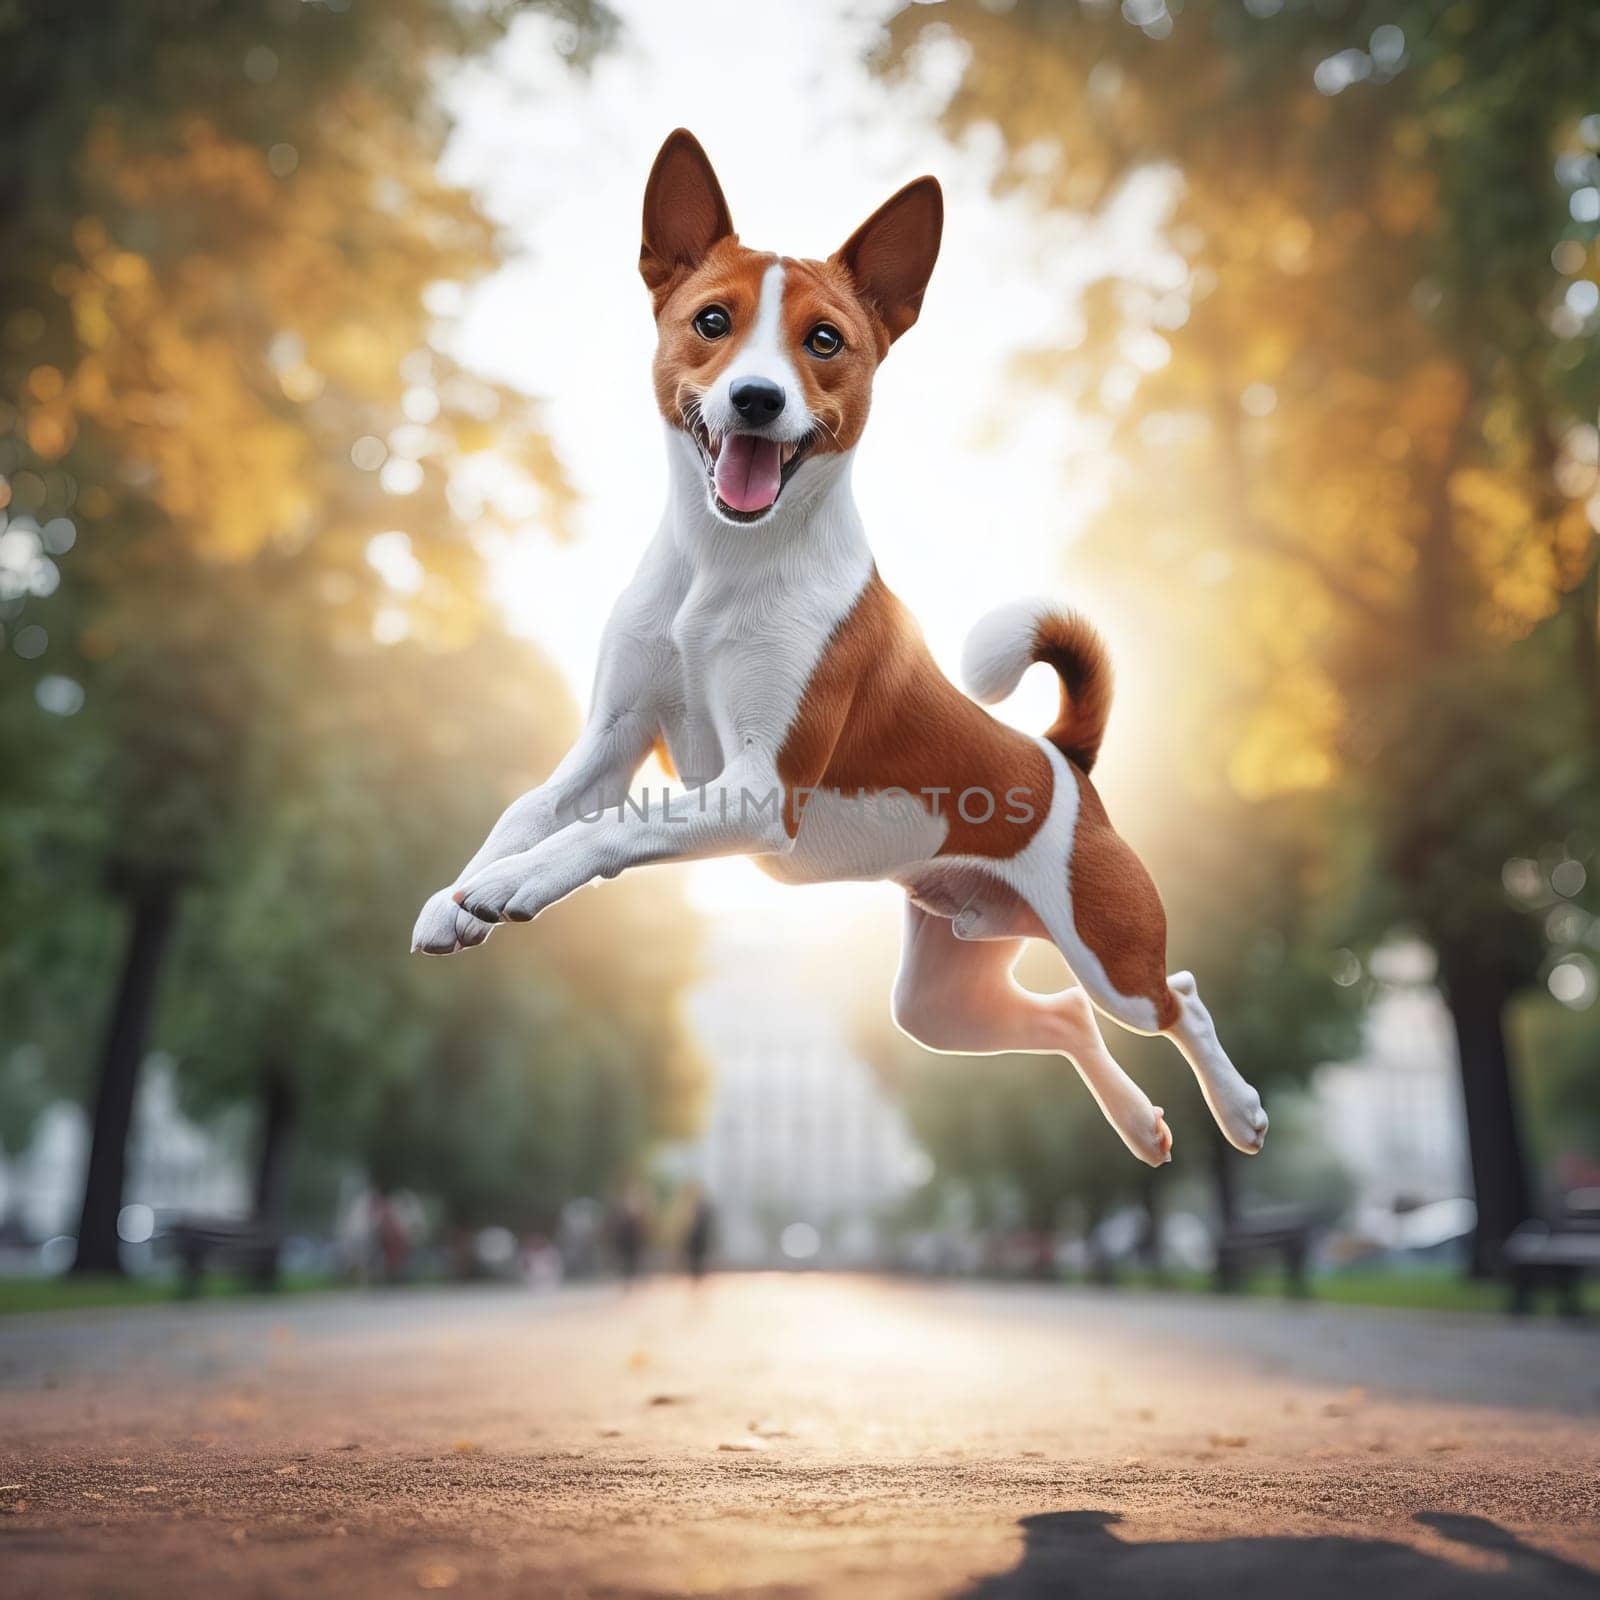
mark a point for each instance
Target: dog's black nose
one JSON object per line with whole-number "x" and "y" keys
{"x": 757, "y": 400}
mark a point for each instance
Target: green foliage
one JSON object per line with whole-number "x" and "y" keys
{"x": 1353, "y": 414}
{"x": 221, "y": 377}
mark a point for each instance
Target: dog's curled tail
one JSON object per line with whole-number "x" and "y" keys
{"x": 1010, "y": 639}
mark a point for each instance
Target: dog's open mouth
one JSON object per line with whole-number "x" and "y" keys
{"x": 746, "y": 472}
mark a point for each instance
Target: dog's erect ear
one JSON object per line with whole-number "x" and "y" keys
{"x": 891, "y": 255}
{"x": 684, "y": 212}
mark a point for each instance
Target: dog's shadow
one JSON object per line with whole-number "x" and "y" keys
{"x": 1072, "y": 1554}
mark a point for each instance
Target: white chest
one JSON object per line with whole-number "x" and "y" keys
{"x": 751, "y": 612}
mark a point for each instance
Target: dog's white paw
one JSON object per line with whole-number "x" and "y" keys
{"x": 1242, "y": 1118}
{"x": 520, "y": 887}
{"x": 488, "y": 893}
{"x": 1148, "y": 1136}
{"x": 443, "y": 928}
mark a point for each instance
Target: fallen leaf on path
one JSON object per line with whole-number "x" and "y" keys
{"x": 1030, "y": 1452}
{"x": 610, "y": 1433}
{"x": 438, "y": 1575}
{"x": 766, "y": 1430}
{"x": 670, "y": 1399}
{"x": 466, "y": 1447}
{"x": 1230, "y": 1441}
{"x": 752, "y": 1442}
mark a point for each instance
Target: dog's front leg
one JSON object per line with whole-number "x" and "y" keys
{"x": 739, "y": 813}
{"x": 594, "y": 773}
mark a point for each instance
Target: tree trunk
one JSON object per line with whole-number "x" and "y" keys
{"x": 279, "y": 1113}
{"x": 1224, "y": 1172}
{"x": 1477, "y": 996}
{"x": 1150, "y": 1241}
{"x": 153, "y": 904}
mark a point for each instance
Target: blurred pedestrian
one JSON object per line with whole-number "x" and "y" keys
{"x": 542, "y": 1266}
{"x": 698, "y": 1233}
{"x": 393, "y": 1235}
{"x": 628, "y": 1231}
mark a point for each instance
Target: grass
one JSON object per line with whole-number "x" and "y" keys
{"x": 1413, "y": 1290}
{"x": 81, "y": 1294}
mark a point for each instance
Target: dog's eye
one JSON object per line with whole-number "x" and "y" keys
{"x": 824, "y": 340}
{"x": 713, "y": 323}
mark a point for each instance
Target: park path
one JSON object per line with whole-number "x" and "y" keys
{"x": 797, "y": 1436}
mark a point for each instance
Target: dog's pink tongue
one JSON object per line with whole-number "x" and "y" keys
{"x": 748, "y": 472}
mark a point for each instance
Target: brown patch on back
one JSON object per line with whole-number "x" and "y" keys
{"x": 878, "y": 714}
{"x": 1117, "y": 908}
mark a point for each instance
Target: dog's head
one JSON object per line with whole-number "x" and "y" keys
{"x": 765, "y": 362}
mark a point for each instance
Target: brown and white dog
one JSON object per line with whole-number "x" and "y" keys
{"x": 795, "y": 696}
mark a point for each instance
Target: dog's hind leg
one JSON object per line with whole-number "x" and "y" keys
{"x": 1114, "y": 936}
{"x": 958, "y": 996}
{"x": 1233, "y": 1102}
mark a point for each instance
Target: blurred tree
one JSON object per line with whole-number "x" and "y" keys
{"x": 1562, "y": 1047}
{"x": 296, "y": 983}
{"x": 229, "y": 438}
{"x": 1352, "y": 405}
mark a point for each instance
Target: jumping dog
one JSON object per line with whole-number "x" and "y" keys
{"x": 758, "y": 649}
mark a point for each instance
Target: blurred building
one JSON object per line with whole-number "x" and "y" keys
{"x": 1394, "y": 1116}
{"x": 803, "y": 1154}
{"x": 174, "y": 1164}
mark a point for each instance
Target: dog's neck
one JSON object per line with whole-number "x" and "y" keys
{"x": 815, "y": 521}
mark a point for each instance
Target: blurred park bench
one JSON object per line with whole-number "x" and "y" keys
{"x": 1556, "y": 1254}
{"x": 247, "y": 1249}
{"x": 1283, "y": 1235}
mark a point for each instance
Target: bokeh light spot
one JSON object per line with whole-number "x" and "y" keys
{"x": 1572, "y": 982}
{"x": 60, "y": 696}
{"x": 800, "y": 1241}
{"x": 136, "y": 1224}
{"x": 31, "y": 642}
{"x": 1568, "y": 878}
{"x": 400, "y": 476}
